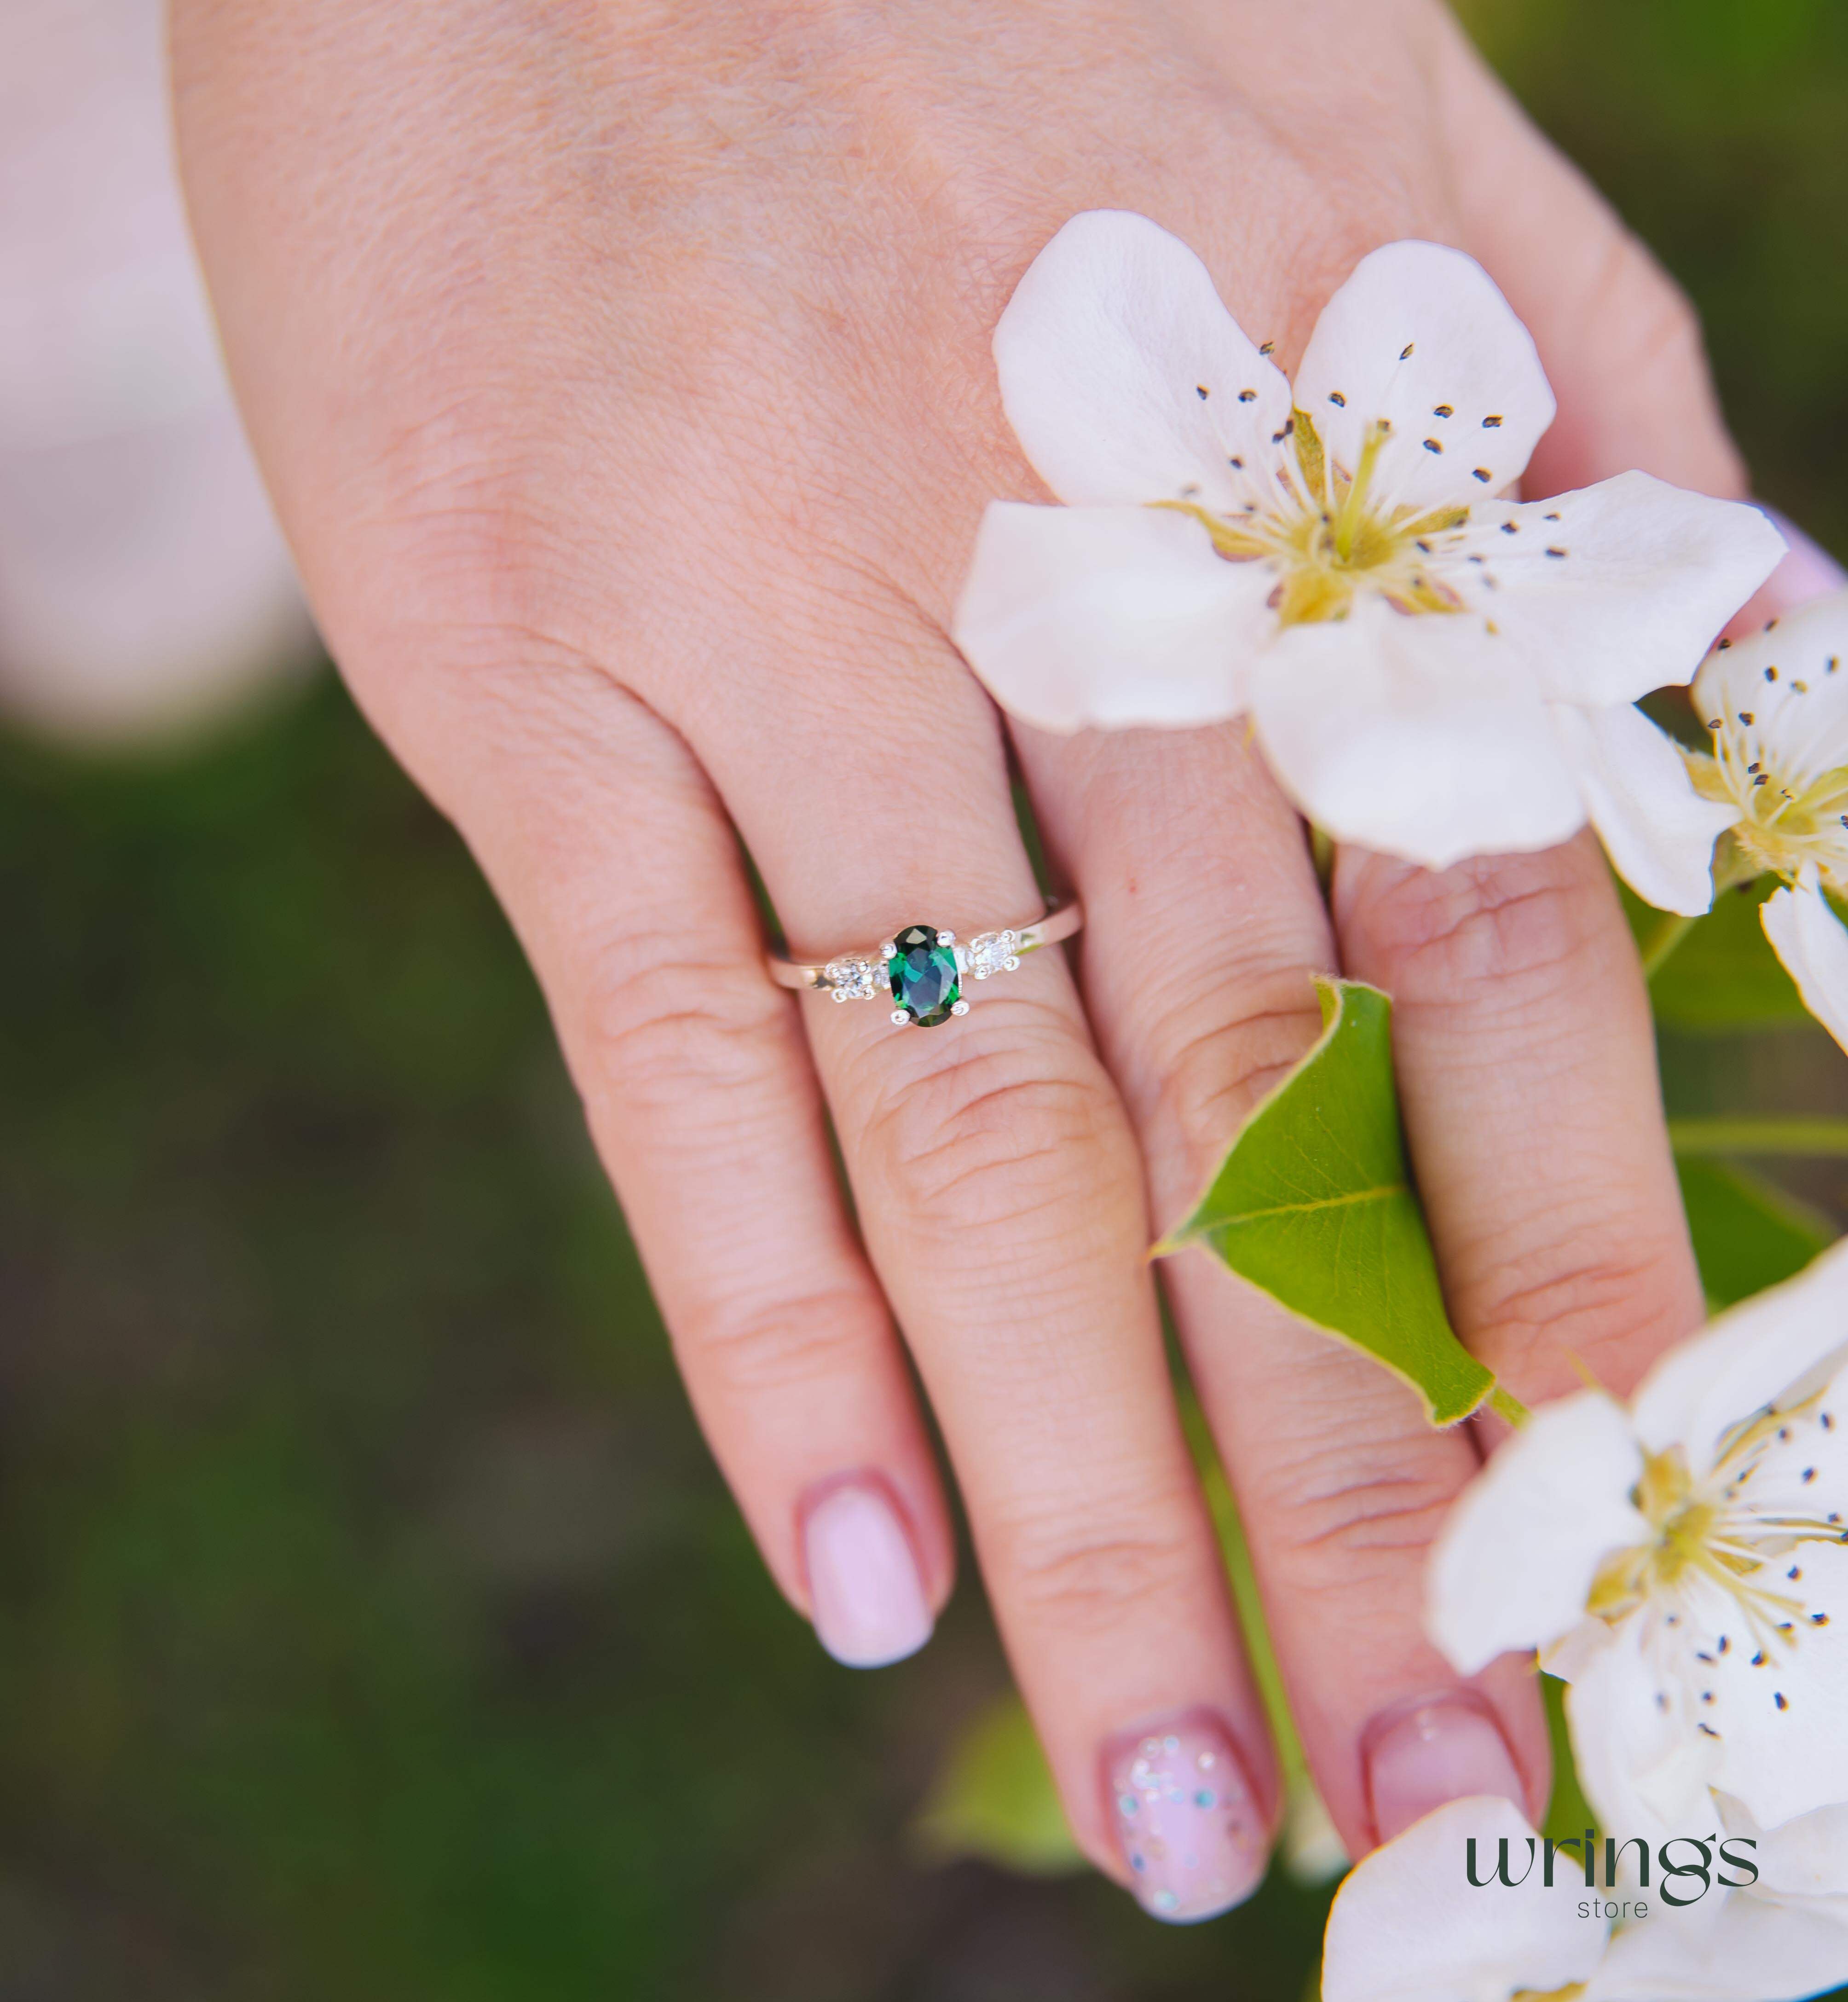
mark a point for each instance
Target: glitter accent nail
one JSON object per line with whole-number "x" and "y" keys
{"x": 1186, "y": 1817}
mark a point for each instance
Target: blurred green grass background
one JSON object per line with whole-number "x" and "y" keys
{"x": 372, "y": 1622}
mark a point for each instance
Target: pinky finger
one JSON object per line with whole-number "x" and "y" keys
{"x": 619, "y": 870}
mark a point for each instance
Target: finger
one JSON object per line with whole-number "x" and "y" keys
{"x": 1001, "y": 1195}
{"x": 621, "y": 875}
{"x": 1205, "y": 921}
{"x": 1620, "y": 343}
{"x": 1526, "y": 1063}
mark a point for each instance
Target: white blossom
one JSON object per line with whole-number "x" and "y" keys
{"x": 1432, "y": 669}
{"x": 1408, "y": 1925}
{"x": 1680, "y": 1563}
{"x": 1776, "y": 707}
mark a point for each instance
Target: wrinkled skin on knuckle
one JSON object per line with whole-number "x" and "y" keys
{"x": 1087, "y": 1570}
{"x": 1212, "y": 1067}
{"x": 1502, "y": 933}
{"x": 1600, "y": 1288}
{"x": 1021, "y": 1137}
{"x": 777, "y": 1344}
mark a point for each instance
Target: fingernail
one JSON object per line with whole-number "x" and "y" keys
{"x": 1188, "y": 1822}
{"x": 1420, "y": 1757}
{"x": 865, "y": 1592}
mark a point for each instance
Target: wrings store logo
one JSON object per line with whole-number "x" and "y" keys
{"x": 1681, "y": 1864}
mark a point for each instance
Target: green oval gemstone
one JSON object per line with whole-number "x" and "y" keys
{"x": 925, "y": 982}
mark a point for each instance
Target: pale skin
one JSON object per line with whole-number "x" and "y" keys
{"x": 622, "y": 373}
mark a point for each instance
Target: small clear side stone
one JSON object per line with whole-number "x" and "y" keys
{"x": 853, "y": 977}
{"x": 991, "y": 952}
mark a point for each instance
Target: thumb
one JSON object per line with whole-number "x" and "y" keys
{"x": 1620, "y": 343}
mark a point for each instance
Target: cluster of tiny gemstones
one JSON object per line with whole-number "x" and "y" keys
{"x": 853, "y": 979}
{"x": 990, "y": 953}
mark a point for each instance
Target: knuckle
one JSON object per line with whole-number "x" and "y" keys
{"x": 1595, "y": 1290}
{"x": 772, "y": 1343}
{"x": 1497, "y": 931}
{"x": 1092, "y": 1583}
{"x": 1000, "y": 1136}
{"x": 1212, "y": 1069}
{"x": 1333, "y": 1518}
{"x": 654, "y": 1020}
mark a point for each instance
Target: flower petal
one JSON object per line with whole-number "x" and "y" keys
{"x": 1421, "y": 337}
{"x": 1615, "y": 589}
{"x": 1103, "y": 352}
{"x": 1513, "y": 1566}
{"x": 1746, "y": 1361}
{"x": 1395, "y": 732}
{"x": 1642, "y": 1759}
{"x": 1728, "y": 1947}
{"x": 1407, "y": 1926}
{"x": 1808, "y": 937}
{"x": 1807, "y": 1857}
{"x": 1791, "y": 677}
{"x": 1787, "y": 1758}
{"x": 1657, "y": 831}
{"x": 1109, "y": 617}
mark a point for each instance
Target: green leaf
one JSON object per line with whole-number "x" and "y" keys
{"x": 1747, "y": 1234}
{"x": 1314, "y": 1204}
{"x": 1722, "y": 973}
{"x": 1568, "y": 1812}
{"x": 994, "y": 1800}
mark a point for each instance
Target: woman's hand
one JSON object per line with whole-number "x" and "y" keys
{"x": 623, "y": 374}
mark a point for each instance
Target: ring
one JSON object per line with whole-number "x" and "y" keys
{"x": 924, "y": 969}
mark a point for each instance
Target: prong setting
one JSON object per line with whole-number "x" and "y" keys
{"x": 959, "y": 1008}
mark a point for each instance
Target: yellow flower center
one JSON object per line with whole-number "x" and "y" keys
{"x": 1328, "y": 537}
{"x": 1786, "y": 817}
{"x": 1711, "y": 1532}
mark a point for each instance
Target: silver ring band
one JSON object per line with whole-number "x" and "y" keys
{"x": 923, "y": 969}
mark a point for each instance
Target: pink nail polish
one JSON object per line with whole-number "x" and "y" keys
{"x": 865, "y": 1595}
{"x": 1188, "y": 1822}
{"x": 1425, "y": 1754}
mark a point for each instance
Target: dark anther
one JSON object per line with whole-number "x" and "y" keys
{"x": 1770, "y": 674}
{"x": 1491, "y": 424}
{"x": 1237, "y": 465}
{"x": 1265, "y": 347}
{"x": 1745, "y": 717}
{"x": 1511, "y": 527}
{"x": 1336, "y": 398}
{"x": 1444, "y": 410}
{"x": 1556, "y": 552}
{"x": 1554, "y": 518}
{"x": 1483, "y": 474}
{"x": 1783, "y": 1703}
{"x": 1724, "y": 644}
{"x": 1432, "y": 445}
{"x": 1247, "y": 395}
{"x": 1200, "y": 388}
